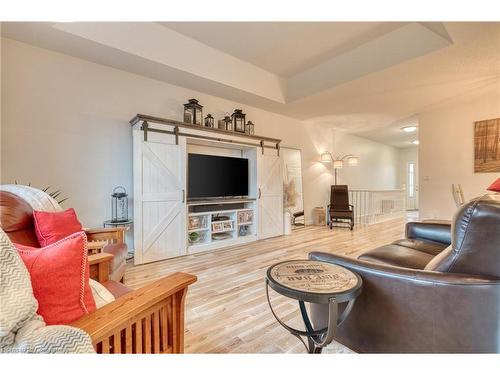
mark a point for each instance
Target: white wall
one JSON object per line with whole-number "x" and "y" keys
{"x": 447, "y": 150}
{"x": 377, "y": 167}
{"x": 65, "y": 124}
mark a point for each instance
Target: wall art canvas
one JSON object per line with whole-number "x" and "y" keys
{"x": 487, "y": 146}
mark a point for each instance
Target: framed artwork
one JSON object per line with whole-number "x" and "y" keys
{"x": 487, "y": 146}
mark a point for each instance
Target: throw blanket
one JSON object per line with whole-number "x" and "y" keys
{"x": 21, "y": 329}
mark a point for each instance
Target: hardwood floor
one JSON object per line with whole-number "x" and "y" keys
{"x": 227, "y": 311}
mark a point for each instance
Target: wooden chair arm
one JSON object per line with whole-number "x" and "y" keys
{"x": 147, "y": 320}
{"x": 99, "y": 266}
{"x": 95, "y": 247}
{"x": 105, "y": 230}
{"x": 111, "y": 235}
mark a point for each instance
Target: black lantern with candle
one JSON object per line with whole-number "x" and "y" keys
{"x": 239, "y": 121}
{"x": 193, "y": 112}
{"x": 209, "y": 121}
{"x": 228, "y": 123}
{"x": 249, "y": 128}
{"x": 119, "y": 205}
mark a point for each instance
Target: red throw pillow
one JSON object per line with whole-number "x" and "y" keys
{"x": 60, "y": 278}
{"x": 51, "y": 227}
{"x": 495, "y": 186}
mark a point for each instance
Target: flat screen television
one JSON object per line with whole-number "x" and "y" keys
{"x": 212, "y": 176}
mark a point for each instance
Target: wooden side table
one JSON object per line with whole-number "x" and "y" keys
{"x": 314, "y": 282}
{"x": 127, "y": 224}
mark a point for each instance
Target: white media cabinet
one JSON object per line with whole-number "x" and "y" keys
{"x": 164, "y": 220}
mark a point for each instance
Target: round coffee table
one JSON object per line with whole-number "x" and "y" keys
{"x": 314, "y": 282}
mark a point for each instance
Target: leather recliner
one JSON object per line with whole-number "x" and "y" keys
{"x": 417, "y": 298}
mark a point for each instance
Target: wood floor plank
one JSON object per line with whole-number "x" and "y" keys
{"x": 226, "y": 309}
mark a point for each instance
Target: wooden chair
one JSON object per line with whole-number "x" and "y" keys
{"x": 339, "y": 208}
{"x": 147, "y": 320}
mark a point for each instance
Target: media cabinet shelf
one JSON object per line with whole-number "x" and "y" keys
{"x": 247, "y": 223}
{"x": 208, "y": 242}
{"x": 218, "y": 212}
{"x": 226, "y": 230}
{"x": 224, "y": 201}
{"x": 198, "y": 229}
{"x": 146, "y": 119}
{"x": 218, "y": 244}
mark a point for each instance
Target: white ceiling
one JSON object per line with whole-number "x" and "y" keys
{"x": 366, "y": 78}
{"x": 392, "y": 134}
{"x": 283, "y": 48}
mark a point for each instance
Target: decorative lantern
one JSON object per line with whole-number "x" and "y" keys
{"x": 238, "y": 121}
{"x": 193, "y": 113}
{"x": 209, "y": 121}
{"x": 221, "y": 124}
{"x": 226, "y": 123}
{"x": 249, "y": 128}
{"x": 119, "y": 205}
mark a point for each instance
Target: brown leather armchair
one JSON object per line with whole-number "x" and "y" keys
{"x": 16, "y": 219}
{"x": 427, "y": 300}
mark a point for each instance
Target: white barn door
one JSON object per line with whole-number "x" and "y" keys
{"x": 270, "y": 194}
{"x": 159, "y": 198}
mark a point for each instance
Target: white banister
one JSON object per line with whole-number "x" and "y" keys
{"x": 373, "y": 206}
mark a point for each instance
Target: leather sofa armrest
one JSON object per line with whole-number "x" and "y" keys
{"x": 435, "y": 232}
{"x": 403, "y": 274}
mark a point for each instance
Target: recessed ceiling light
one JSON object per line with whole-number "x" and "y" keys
{"x": 409, "y": 129}
{"x": 415, "y": 142}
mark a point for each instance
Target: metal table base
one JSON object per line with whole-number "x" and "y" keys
{"x": 316, "y": 339}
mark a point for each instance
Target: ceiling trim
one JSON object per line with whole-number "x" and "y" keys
{"x": 407, "y": 42}
{"x": 142, "y": 39}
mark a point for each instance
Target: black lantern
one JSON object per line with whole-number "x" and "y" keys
{"x": 239, "y": 121}
{"x": 119, "y": 205}
{"x": 193, "y": 113}
{"x": 228, "y": 122}
{"x": 249, "y": 128}
{"x": 209, "y": 121}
